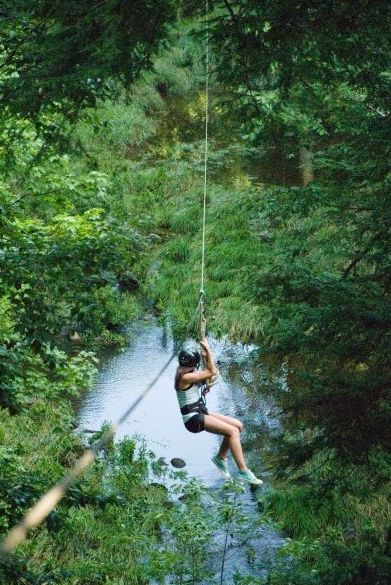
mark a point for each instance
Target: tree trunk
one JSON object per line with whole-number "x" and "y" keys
{"x": 306, "y": 165}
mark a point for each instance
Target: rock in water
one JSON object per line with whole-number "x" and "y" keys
{"x": 178, "y": 463}
{"x": 75, "y": 338}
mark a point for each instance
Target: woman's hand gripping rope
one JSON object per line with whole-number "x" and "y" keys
{"x": 209, "y": 363}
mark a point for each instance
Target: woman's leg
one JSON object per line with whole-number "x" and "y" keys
{"x": 231, "y": 421}
{"x": 231, "y": 438}
{"x": 224, "y": 447}
{"x": 228, "y": 419}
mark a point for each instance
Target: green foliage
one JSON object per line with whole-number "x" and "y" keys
{"x": 75, "y": 536}
{"x": 65, "y": 56}
{"x": 302, "y": 271}
{"x": 115, "y": 524}
{"x": 68, "y": 264}
{"x": 195, "y": 532}
{"x": 231, "y": 251}
{"x": 53, "y": 271}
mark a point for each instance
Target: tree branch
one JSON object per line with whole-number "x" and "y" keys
{"x": 230, "y": 10}
{"x": 355, "y": 261}
{"x": 235, "y": 21}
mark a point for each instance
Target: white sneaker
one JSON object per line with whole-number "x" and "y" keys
{"x": 222, "y": 466}
{"x": 249, "y": 477}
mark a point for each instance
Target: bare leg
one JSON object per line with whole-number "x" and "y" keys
{"x": 223, "y": 449}
{"x": 231, "y": 436}
{"x": 228, "y": 419}
{"x": 232, "y": 421}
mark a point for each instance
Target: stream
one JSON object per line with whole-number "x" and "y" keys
{"x": 123, "y": 375}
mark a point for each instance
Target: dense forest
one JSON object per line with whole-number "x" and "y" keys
{"x": 101, "y": 186}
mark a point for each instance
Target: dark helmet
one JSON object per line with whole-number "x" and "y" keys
{"x": 189, "y": 358}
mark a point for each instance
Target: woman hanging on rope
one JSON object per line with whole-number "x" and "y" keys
{"x": 188, "y": 381}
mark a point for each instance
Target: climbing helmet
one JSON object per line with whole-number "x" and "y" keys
{"x": 189, "y": 358}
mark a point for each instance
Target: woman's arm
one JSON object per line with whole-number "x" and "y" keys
{"x": 195, "y": 377}
{"x": 210, "y": 371}
{"x": 208, "y": 357}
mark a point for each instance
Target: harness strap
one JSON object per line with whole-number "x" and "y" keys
{"x": 193, "y": 407}
{"x": 204, "y": 390}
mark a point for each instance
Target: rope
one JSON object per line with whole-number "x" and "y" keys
{"x": 201, "y": 303}
{"x": 206, "y": 151}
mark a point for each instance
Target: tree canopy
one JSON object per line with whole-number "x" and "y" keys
{"x": 73, "y": 52}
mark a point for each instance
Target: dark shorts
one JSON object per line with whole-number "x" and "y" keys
{"x": 196, "y": 423}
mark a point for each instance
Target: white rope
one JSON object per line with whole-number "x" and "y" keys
{"x": 206, "y": 150}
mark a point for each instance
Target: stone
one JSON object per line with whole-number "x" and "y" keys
{"x": 178, "y": 462}
{"x": 75, "y": 338}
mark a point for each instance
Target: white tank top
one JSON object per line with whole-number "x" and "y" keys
{"x": 186, "y": 397}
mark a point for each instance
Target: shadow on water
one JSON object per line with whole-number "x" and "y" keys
{"x": 122, "y": 376}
